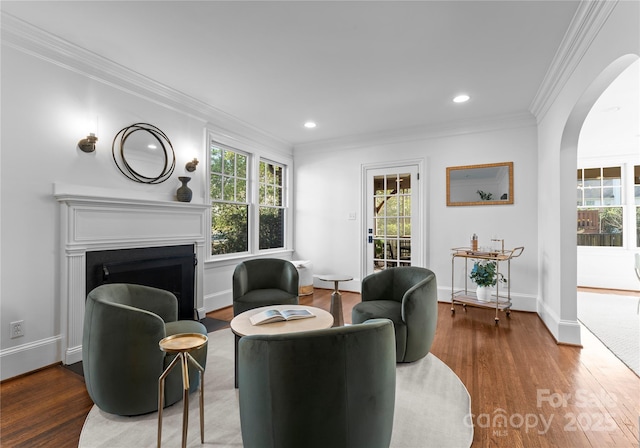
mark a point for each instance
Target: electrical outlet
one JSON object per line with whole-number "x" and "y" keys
{"x": 17, "y": 329}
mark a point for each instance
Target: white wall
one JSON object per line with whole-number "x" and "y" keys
{"x": 329, "y": 187}
{"x": 50, "y": 100}
{"x": 45, "y": 113}
{"x": 608, "y": 50}
{"x": 49, "y": 94}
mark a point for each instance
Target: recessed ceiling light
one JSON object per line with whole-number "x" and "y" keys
{"x": 309, "y": 125}
{"x": 461, "y": 99}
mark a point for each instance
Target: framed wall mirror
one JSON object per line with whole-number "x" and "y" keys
{"x": 489, "y": 184}
{"x": 143, "y": 153}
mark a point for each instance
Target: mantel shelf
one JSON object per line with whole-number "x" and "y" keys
{"x": 78, "y": 194}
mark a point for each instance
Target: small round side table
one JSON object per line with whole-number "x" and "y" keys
{"x": 336, "y": 297}
{"x": 181, "y": 345}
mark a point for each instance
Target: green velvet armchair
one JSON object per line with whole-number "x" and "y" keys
{"x": 408, "y": 297}
{"x": 263, "y": 282}
{"x": 121, "y": 359}
{"x": 325, "y": 388}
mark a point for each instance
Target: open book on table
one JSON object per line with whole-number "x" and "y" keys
{"x": 269, "y": 316}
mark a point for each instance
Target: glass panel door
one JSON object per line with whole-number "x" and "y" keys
{"x": 392, "y": 213}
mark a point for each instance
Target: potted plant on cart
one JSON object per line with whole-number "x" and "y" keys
{"x": 485, "y": 276}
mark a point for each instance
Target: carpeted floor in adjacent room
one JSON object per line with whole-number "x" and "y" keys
{"x": 613, "y": 319}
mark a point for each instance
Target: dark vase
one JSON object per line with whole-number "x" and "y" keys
{"x": 184, "y": 193}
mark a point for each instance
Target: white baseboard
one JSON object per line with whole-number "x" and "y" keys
{"x": 73, "y": 355}
{"x": 218, "y": 300}
{"x": 27, "y": 357}
{"x": 564, "y": 331}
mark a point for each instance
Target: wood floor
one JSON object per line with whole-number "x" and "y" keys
{"x": 526, "y": 390}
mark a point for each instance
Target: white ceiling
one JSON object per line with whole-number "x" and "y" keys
{"x": 355, "y": 68}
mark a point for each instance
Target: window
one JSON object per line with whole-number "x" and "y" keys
{"x": 229, "y": 201}
{"x": 600, "y": 210}
{"x": 271, "y": 205}
{"x": 248, "y": 202}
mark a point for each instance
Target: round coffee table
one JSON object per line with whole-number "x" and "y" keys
{"x": 242, "y": 326}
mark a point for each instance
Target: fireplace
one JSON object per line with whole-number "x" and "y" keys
{"x": 114, "y": 223}
{"x": 171, "y": 268}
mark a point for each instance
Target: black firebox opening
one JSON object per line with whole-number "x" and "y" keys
{"x": 171, "y": 268}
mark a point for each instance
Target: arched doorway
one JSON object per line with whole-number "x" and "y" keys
{"x": 608, "y": 158}
{"x": 568, "y": 167}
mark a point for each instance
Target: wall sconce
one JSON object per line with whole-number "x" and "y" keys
{"x": 88, "y": 144}
{"x": 191, "y": 166}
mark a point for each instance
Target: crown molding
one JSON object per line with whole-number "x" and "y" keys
{"x": 586, "y": 24}
{"x": 36, "y": 42}
{"x": 440, "y": 130}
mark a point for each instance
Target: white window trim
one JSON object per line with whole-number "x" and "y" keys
{"x": 256, "y": 152}
{"x": 286, "y": 200}
{"x": 628, "y": 205}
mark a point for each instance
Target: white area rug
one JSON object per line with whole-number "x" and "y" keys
{"x": 432, "y": 409}
{"x": 615, "y": 321}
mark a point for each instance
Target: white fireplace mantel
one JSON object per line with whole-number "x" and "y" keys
{"x": 93, "y": 219}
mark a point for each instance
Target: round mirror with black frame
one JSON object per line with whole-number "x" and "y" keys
{"x": 143, "y": 153}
